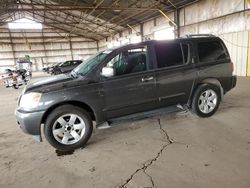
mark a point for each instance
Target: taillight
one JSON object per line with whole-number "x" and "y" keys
{"x": 231, "y": 66}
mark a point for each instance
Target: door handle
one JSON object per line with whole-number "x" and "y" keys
{"x": 147, "y": 79}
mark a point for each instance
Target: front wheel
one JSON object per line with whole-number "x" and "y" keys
{"x": 68, "y": 127}
{"x": 15, "y": 86}
{"x": 206, "y": 100}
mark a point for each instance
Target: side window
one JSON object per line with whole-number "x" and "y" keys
{"x": 211, "y": 51}
{"x": 65, "y": 64}
{"x": 74, "y": 62}
{"x": 129, "y": 61}
{"x": 169, "y": 54}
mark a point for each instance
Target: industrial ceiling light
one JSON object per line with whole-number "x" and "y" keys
{"x": 24, "y": 23}
{"x": 117, "y": 10}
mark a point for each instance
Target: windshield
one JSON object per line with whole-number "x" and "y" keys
{"x": 58, "y": 64}
{"x": 90, "y": 63}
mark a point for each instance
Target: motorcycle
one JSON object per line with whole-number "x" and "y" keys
{"x": 16, "y": 78}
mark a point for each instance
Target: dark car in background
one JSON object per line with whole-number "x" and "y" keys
{"x": 66, "y": 66}
{"x": 50, "y": 69}
{"x": 126, "y": 82}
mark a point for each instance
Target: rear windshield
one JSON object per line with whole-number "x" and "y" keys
{"x": 211, "y": 51}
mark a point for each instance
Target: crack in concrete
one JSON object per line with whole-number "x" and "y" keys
{"x": 151, "y": 161}
{"x": 165, "y": 132}
{"x": 151, "y": 179}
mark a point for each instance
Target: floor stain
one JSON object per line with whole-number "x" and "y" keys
{"x": 62, "y": 153}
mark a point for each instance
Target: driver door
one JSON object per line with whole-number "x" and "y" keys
{"x": 132, "y": 88}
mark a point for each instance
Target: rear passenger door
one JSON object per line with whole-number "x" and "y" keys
{"x": 175, "y": 72}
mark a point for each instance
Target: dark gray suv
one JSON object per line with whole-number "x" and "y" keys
{"x": 129, "y": 81}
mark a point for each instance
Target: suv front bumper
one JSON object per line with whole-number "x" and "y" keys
{"x": 30, "y": 122}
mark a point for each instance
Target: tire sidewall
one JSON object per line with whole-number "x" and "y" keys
{"x": 58, "y": 112}
{"x": 15, "y": 86}
{"x": 199, "y": 91}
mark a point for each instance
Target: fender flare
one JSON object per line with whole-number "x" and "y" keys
{"x": 212, "y": 81}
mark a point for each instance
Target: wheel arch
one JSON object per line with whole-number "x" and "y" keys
{"x": 79, "y": 104}
{"x": 212, "y": 81}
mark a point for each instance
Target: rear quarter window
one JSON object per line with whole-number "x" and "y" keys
{"x": 211, "y": 51}
{"x": 171, "y": 54}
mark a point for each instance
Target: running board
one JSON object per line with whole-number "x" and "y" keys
{"x": 141, "y": 115}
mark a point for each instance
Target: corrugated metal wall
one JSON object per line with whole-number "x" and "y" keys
{"x": 43, "y": 48}
{"x": 237, "y": 44}
{"x": 228, "y": 19}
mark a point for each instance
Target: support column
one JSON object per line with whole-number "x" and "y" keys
{"x": 141, "y": 31}
{"x": 177, "y": 21}
{"x": 12, "y": 48}
{"x": 71, "y": 49}
{"x": 45, "y": 51}
{"x": 97, "y": 46}
{"x": 248, "y": 57}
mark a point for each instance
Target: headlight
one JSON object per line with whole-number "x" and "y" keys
{"x": 30, "y": 100}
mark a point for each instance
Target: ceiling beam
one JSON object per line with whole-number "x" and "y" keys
{"x": 35, "y": 37}
{"x": 131, "y": 16}
{"x": 75, "y": 18}
{"x": 26, "y": 31}
{"x": 46, "y": 22}
{"x": 63, "y": 29}
{"x": 82, "y": 19}
{"x": 85, "y": 19}
{"x": 71, "y": 25}
{"x": 72, "y": 7}
{"x": 120, "y": 14}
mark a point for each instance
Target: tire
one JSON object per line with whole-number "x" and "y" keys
{"x": 206, "y": 100}
{"x": 57, "y": 72}
{"x": 15, "y": 86}
{"x": 58, "y": 133}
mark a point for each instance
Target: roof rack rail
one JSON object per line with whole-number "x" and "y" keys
{"x": 200, "y": 35}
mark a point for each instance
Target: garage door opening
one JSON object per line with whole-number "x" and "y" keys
{"x": 25, "y": 23}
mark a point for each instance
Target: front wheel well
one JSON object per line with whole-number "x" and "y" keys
{"x": 74, "y": 103}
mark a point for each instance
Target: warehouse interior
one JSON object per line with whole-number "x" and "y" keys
{"x": 76, "y": 30}
{"x": 169, "y": 150}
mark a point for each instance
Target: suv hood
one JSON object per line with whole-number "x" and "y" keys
{"x": 47, "y": 83}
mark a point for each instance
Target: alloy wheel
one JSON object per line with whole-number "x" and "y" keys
{"x": 68, "y": 129}
{"x": 207, "y": 101}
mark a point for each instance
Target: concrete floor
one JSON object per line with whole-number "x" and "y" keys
{"x": 175, "y": 150}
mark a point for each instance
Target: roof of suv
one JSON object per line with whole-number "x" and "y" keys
{"x": 187, "y": 38}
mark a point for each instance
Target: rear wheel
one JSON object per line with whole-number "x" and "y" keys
{"x": 68, "y": 128}
{"x": 206, "y": 100}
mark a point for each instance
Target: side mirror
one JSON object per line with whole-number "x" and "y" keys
{"x": 107, "y": 72}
